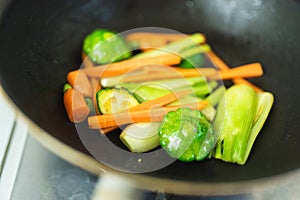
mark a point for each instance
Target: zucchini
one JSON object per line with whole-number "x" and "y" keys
{"x": 115, "y": 100}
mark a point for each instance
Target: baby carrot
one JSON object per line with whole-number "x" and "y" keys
{"x": 80, "y": 82}
{"x": 75, "y": 105}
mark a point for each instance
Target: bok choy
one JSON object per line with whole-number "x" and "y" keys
{"x": 240, "y": 116}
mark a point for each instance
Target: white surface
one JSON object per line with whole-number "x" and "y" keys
{"x": 14, "y": 133}
{"x": 7, "y": 121}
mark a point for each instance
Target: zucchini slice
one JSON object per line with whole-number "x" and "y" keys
{"x": 115, "y": 100}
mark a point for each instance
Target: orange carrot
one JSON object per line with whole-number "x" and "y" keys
{"x": 86, "y": 61}
{"x": 75, "y": 105}
{"x": 223, "y": 66}
{"x": 194, "y": 72}
{"x": 245, "y": 71}
{"x": 152, "y": 73}
{"x": 148, "y": 40}
{"x": 83, "y": 56}
{"x": 80, "y": 82}
{"x": 104, "y": 131}
{"x": 161, "y": 101}
{"x": 154, "y": 115}
{"x": 151, "y": 43}
{"x": 217, "y": 61}
{"x": 123, "y": 67}
{"x": 146, "y": 36}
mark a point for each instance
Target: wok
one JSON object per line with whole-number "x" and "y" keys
{"x": 41, "y": 42}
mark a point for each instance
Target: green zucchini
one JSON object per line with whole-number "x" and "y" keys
{"x": 115, "y": 100}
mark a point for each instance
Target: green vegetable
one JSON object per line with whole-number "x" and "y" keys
{"x": 209, "y": 111}
{"x": 215, "y": 97}
{"x": 187, "y": 99}
{"x": 265, "y": 102}
{"x": 152, "y": 90}
{"x": 194, "y": 50}
{"x": 178, "y": 82}
{"x": 186, "y": 134}
{"x": 90, "y": 104}
{"x": 115, "y": 100}
{"x": 144, "y": 92}
{"x": 66, "y": 87}
{"x": 194, "y": 56}
{"x": 198, "y": 84}
{"x": 204, "y": 89}
{"x": 233, "y": 124}
{"x": 192, "y": 61}
{"x": 103, "y": 46}
{"x": 141, "y": 137}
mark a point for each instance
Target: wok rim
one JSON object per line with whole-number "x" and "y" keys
{"x": 145, "y": 182}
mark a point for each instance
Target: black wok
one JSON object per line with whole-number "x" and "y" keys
{"x": 40, "y": 41}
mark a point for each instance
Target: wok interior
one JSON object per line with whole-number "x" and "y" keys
{"x": 41, "y": 42}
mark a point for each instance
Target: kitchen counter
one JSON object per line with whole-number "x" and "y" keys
{"x": 44, "y": 176}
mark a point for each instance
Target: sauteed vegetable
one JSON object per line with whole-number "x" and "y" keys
{"x": 168, "y": 95}
{"x": 104, "y": 46}
{"x": 240, "y": 116}
{"x": 186, "y": 134}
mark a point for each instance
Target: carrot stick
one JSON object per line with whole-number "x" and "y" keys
{"x": 75, "y": 105}
{"x": 161, "y": 101}
{"x": 194, "y": 72}
{"x": 154, "y": 73}
{"x": 154, "y": 115}
{"x": 151, "y": 43}
{"x": 147, "y": 36}
{"x": 123, "y": 67}
{"x": 107, "y": 130}
{"x": 223, "y": 66}
{"x": 80, "y": 82}
{"x": 249, "y": 70}
{"x": 217, "y": 61}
